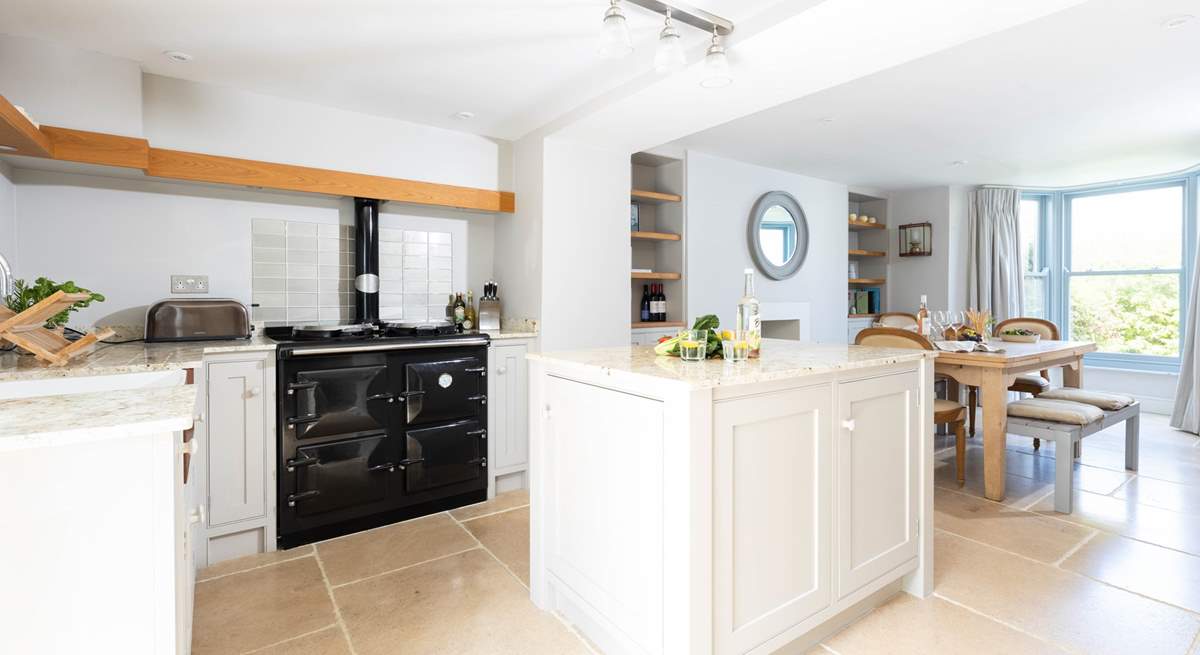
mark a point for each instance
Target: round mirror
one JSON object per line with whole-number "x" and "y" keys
{"x": 778, "y": 233}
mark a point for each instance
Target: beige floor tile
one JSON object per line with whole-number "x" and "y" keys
{"x": 507, "y": 536}
{"x": 1060, "y": 606}
{"x": 1155, "y": 525}
{"x": 252, "y": 562}
{"x": 1160, "y": 573}
{"x": 384, "y": 549}
{"x": 501, "y": 502}
{"x": 461, "y": 605}
{"x": 1025, "y": 533}
{"x": 329, "y": 641}
{"x": 1161, "y": 493}
{"x": 257, "y": 608}
{"x": 906, "y": 625}
{"x": 1019, "y": 491}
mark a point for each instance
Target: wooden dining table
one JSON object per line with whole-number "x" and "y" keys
{"x": 993, "y": 374}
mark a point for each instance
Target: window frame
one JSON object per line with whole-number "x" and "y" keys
{"x": 1055, "y": 242}
{"x": 1042, "y": 265}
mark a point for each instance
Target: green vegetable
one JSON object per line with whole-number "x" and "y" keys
{"x": 708, "y": 322}
{"x": 24, "y": 296}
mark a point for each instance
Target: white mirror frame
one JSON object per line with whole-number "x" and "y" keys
{"x": 792, "y": 265}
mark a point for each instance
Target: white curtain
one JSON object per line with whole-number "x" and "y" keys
{"x": 994, "y": 252}
{"x": 1186, "y": 415}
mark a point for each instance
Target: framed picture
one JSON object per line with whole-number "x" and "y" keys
{"x": 916, "y": 240}
{"x": 635, "y": 223}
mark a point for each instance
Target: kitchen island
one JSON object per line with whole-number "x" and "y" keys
{"x": 709, "y": 507}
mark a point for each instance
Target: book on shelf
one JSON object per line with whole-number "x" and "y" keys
{"x": 864, "y": 301}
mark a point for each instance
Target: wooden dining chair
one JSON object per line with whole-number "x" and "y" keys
{"x": 944, "y": 411}
{"x": 1030, "y": 383}
{"x": 897, "y": 320}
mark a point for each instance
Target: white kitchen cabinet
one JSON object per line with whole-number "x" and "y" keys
{"x": 237, "y": 457}
{"x": 508, "y": 415}
{"x": 877, "y": 468}
{"x": 772, "y": 505}
{"x": 856, "y": 325}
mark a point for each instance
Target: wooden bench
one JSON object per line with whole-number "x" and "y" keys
{"x": 1066, "y": 435}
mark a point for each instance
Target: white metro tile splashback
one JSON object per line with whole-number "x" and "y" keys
{"x": 304, "y": 272}
{"x": 414, "y": 284}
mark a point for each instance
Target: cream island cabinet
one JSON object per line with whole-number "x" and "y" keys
{"x": 714, "y": 508}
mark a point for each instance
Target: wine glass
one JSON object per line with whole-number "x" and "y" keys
{"x": 940, "y": 323}
{"x": 957, "y": 320}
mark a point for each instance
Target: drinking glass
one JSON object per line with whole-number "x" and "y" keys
{"x": 940, "y": 324}
{"x": 735, "y": 347}
{"x": 693, "y": 345}
{"x": 957, "y": 321}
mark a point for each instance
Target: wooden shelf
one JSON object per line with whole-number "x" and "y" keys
{"x": 19, "y": 135}
{"x": 654, "y": 236}
{"x": 867, "y": 280}
{"x": 862, "y": 316}
{"x": 654, "y": 196}
{"x": 865, "y": 226}
{"x": 868, "y": 253}
{"x": 658, "y": 324}
{"x": 655, "y": 276}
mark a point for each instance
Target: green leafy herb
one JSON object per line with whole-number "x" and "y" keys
{"x": 670, "y": 345}
{"x": 25, "y": 296}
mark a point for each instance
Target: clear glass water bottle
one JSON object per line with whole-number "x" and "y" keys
{"x": 748, "y": 319}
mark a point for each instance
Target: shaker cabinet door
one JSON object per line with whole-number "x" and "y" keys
{"x": 509, "y": 423}
{"x": 236, "y": 444}
{"x": 877, "y": 457}
{"x": 772, "y": 502}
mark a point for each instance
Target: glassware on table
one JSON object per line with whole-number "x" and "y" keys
{"x": 735, "y": 346}
{"x": 939, "y": 323}
{"x": 957, "y": 322}
{"x": 693, "y": 345}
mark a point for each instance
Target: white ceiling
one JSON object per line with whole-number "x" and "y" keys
{"x": 1094, "y": 93}
{"x": 516, "y": 64}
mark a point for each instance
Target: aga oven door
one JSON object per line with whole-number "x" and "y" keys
{"x": 450, "y": 458}
{"x": 345, "y": 401}
{"x": 444, "y": 390}
{"x": 340, "y": 480}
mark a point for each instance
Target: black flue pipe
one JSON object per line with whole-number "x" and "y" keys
{"x": 366, "y": 260}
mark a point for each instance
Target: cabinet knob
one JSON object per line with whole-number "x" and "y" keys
{"x": 197, "y": 515}
{"x": 848, "y": 424}
{"x": 254, "y": 391}
{"x": 501, "y": 371}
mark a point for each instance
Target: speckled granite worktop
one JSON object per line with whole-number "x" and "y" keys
{"x": 112, "y": 359}
{"x": 781, "y": 359}
{"x": 75, "y": 418}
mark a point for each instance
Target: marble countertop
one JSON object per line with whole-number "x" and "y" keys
{"x": 110, "y": 359}
{"x": 781, "y": 359}
{"x": 501, "y": 335}
{"x": 88, "y": 417}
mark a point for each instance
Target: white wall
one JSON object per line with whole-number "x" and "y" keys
{"x": 912, "y": 277}
{"x": 585, "y": 246}
{"x": 8, "y": 214}
{"x": 183, "y": 115}
{"x": 125, "y": 237}
{"x": 62, "y": 86}
{"x": 720, "y": 193}
{"x": 518, "y": 237}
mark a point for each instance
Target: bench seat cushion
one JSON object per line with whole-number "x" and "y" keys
{"x": 1055, "y": 411}
{"x": 1101, "y": 399}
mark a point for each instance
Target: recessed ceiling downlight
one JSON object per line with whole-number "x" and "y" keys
{"x": 178, "y": 56}
{"x": 464, "y": 115}
{"x": 1178, "y": 20}
{"x": 959, "y": 162}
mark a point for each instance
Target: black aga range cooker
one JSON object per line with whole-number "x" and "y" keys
{"x": 377, "y": 422}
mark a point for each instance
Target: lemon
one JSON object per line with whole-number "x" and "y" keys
{"x": 690, "y": 344}
{"x": 727, "y": 335}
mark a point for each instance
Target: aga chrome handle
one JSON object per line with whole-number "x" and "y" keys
{"x": 848, "y": 424}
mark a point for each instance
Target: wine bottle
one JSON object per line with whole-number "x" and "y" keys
{"x": 469, "y": 319}
{"x": 923, "y": 319}
{"x": 662, "y": 302}
{"x": 450, "y": 309}
{"x": 748, "y": 319}
{"x": 645, "y": 313}
{"x": 656, "y": 306}
{"x": 460, "y": 312}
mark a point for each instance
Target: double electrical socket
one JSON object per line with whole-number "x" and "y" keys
{"x": 189, "y": 284}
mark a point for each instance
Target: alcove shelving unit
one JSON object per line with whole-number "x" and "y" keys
{"x": 868, "y": 248}
{"x": 658, "y": 243}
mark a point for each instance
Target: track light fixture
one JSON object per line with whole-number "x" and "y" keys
{"x": 669, "y": 56}
{"x": 614, "y": 33}
{"x": 716, "y": 65}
